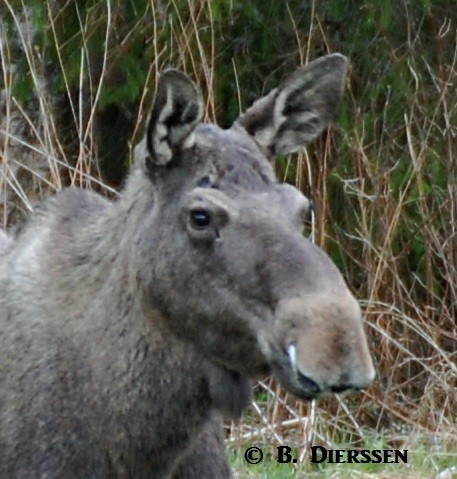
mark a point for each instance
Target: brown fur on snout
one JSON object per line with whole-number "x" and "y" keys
{"x": 330, "y": 345}
{"x": 128, "y": 328}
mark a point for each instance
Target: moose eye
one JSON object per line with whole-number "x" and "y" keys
{"x": 200, "y": 219}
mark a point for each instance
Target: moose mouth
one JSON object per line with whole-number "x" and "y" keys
{"x": 310, "y": 386}
{"x": 285, "y": 370}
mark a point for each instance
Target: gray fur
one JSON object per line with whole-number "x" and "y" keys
{"x": 5, "y": 242}
{"x": 299, "y": 109}
{"x": 128, "y": 328}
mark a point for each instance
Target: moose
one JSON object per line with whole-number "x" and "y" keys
{"x": 130, "y": 328}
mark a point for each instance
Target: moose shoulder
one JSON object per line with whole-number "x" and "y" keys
{"x": 129, "y": 328}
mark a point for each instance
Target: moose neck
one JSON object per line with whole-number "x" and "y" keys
{"x": 115, "y": 241}
{"x": 138, "y": 350}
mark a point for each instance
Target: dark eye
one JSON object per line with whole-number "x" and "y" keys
{"x": 200, "y": 219}
{"x": 204, "y": 182}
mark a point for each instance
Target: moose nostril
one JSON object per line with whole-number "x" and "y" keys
{"x": 292, "y": 353}
{"x": 308, "y": 384}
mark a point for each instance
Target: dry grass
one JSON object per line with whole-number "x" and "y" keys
{"x": 410, "y": 301}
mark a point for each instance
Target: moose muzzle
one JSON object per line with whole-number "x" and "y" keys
{"x": 321, "y": 346}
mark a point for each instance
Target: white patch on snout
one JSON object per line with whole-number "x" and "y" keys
{"x": 292, "y": 352}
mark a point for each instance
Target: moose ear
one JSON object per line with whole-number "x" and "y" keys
{"x": 298, "y": 110}
{"x": 177, "y": 110}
